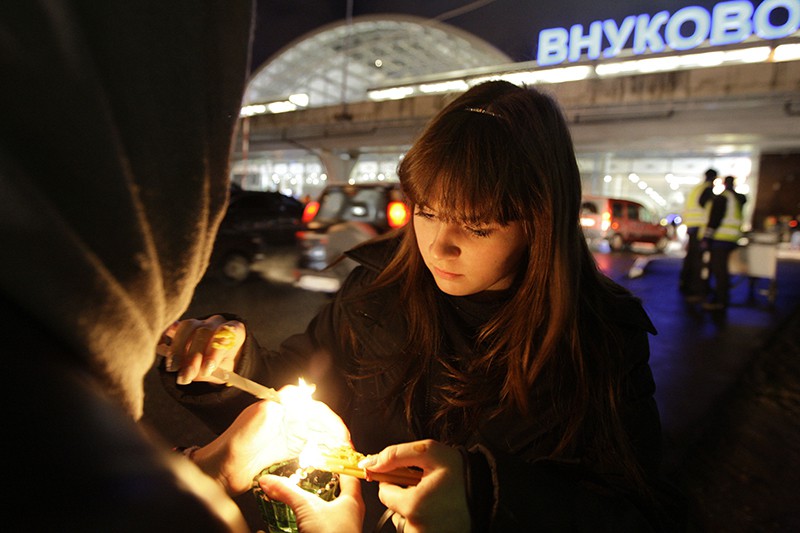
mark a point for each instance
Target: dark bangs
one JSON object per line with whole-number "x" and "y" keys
{"x": 464, "y": 166}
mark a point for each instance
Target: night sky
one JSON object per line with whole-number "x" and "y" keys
{"x": 510, "y": 25}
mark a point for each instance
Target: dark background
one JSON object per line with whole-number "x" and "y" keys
{"x": 512, "y": 26}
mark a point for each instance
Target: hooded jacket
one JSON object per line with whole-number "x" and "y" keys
{"x": 511, "y": 483}
{"x": 117, "y": 126}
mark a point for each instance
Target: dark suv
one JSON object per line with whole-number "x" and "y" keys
{"x": 254, "y": 222}
{"x": 344, "y": 216}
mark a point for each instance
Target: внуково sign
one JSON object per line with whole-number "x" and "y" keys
{"x": 727, "y": 23}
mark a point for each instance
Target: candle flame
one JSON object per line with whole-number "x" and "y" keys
{"x": 316, "y": 445}
{"x": 298, "y": 396}
{"x": 311, "y": 456}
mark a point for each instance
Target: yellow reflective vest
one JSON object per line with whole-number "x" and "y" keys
{"x": 695, "y": 215}
{"x": 730, "y": 229}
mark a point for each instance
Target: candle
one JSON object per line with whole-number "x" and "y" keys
{"x": 344, "y": 460}
{"x": 279, "y": 517}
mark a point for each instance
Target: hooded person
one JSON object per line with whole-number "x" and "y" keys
{"x": 118, "y": 121}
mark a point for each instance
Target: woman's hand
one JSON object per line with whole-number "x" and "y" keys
{"x": 439, "y": 502}
{"x": 266, "y": 433}
{"x": 345, "y": 514}
{"x": 195, "y": 348}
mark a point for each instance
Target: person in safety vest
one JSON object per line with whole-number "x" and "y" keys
{"x": 695, "y": 217}
{"x": 721, "y": 235}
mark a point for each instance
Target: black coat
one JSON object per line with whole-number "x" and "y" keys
{"x": 512, "y": 485}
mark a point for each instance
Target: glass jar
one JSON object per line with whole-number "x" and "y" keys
{"x": 278, "y": 516}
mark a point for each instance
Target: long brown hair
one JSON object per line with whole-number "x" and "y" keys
{"x": 504, "y": 153}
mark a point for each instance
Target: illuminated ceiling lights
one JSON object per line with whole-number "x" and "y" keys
{"x": 534, "y": 75}
{"x": 282, "y": 106}
{"x": 445, "y": 86}
{"x": 649, "y": 191}
{"x": 528, "y": 77}
{"x": 757, "y": 54}
{"x": 787, "y": 52}
{"x": 394, "y": 93}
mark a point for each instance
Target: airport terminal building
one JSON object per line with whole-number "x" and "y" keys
{"x": 653, "y": 100}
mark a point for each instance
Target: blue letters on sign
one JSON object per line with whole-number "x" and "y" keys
{"x": 646, "y": 34}
{"x": 728, "y": 22}
{"x": 617, "y": 35}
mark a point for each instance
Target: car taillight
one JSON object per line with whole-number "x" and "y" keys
{"x": 310, "y": 211}
{"x": 397, "y": 213}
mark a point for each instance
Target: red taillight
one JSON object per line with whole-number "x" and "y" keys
{"x": 397, "y": 213}
{"x": 310, "y": 211}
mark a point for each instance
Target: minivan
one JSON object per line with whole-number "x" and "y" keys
{"x": 621, "y": 222}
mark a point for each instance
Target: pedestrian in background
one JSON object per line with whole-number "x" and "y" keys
{"x": 695, "y": 216}
{"x": 721, "y": 236}
{"x": 480, "y": 342}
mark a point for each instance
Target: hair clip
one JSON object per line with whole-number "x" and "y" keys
{"x": 482, "y": 111}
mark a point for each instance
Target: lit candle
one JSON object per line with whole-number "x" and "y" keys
{"x": 344, "y": 460}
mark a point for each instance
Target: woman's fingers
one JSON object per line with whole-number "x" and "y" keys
{"x": 345, "y": 514}
{"x": 222, "y": 347}
{"x": 350, "y": 487}
{"x": 192, "y": 360}
{"x": 282, "y": 489}
{"x": 179, "y": 356}
{"x": 195, "y": 348}
{"x": 425, "y": 454}
{"x": 439, "y": 498}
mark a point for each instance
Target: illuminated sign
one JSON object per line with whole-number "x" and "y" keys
{"x": 687, "y": 28}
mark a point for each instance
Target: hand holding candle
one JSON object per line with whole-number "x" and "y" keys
{"x": 345, "y": 460}
{"x": 345, "y": 514}
{"x": 266, "y": 433}
{"x": 438, "y": 502}
{"x": 196, "y": 348}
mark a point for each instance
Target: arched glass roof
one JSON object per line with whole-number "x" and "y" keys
{"x": 339, "y": 62}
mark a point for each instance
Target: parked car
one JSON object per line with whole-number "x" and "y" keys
{"x": 254, "y": 222}
{"x": 344, "y": 216}
{"x": 234, "y": 255}
{"x": 621, "y": 222}
{"x": 275, "y": 216}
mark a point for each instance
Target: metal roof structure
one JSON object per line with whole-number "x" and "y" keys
{"x": 338, "y": 63}
{"x": 648, "y": 134}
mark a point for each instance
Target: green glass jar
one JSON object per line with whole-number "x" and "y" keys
{"x": 278, "y": 516}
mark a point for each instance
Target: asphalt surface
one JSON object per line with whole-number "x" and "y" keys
{"x": 728, "y": 389}
{"x": 728, "y": 385}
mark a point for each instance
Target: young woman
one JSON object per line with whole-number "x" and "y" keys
{"x": 480, "y": 343}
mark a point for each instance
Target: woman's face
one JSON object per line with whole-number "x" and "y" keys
{"x": 466, "y": 259}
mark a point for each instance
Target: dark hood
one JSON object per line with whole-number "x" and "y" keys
{"x": 114, "y": 167}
